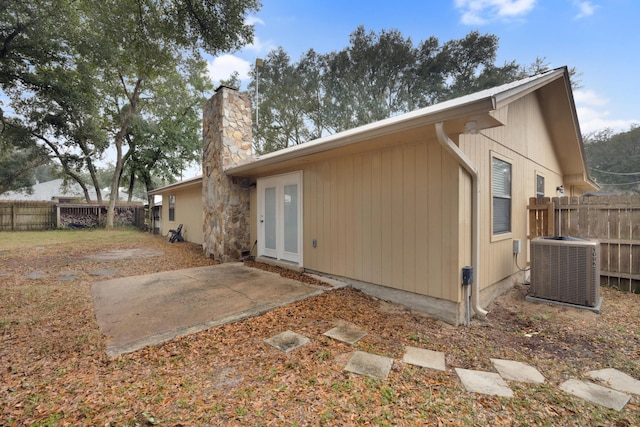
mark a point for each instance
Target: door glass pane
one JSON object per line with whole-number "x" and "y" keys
{"x": 270, "y": 218}
{"x": 291, "y": 218}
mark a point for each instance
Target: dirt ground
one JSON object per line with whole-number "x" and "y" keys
{"x": 54, "y": 371}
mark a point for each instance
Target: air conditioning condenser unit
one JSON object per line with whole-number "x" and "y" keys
{"x": 566, "y": 270}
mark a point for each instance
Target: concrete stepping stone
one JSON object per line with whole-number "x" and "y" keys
{"x": 287, "y": 341}
{"x": 424, "y": 358}
{"x": 346, "y": 332}
{"x": 595, "y": 393}
{"x": 370, "y": 365}
{"x": 119, "y": 254}
{"x": 484, "y": 382}
{"x": 68, "y": 276}
{"x": 36, "y": 275}
{"x": 517, "y": 371}
{"x": 104, "y": 273}
{"x": 616, "y": 380}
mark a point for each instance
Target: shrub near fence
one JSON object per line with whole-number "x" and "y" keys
{"x": 22, "y": 216}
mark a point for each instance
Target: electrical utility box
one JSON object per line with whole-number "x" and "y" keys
{"x": 567, "y": 270}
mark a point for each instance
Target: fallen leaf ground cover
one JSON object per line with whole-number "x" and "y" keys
{"x": 54, "y": 371}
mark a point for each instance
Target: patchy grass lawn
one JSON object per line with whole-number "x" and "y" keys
{"x": 53, "y": 369}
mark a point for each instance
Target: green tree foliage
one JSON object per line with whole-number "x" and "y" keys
{"x": 171, "y": 119}
{"x": 84, "y": 75}
{"x": 378, "y": 75}
{"x": 614, "y": 159}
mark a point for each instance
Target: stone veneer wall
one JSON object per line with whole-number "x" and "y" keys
{"x": 225, "y": 200}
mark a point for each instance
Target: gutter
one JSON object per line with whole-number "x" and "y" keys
{"x": 464, "y": 161}
{"x": 447, "y": 110}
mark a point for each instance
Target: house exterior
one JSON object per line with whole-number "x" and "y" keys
{"x": 398, "y": 207}
{"x": 181, "y": 204}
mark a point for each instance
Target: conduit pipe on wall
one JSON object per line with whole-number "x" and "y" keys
{"x": 462, "y": 159}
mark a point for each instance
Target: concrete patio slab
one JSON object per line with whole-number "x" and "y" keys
{"x": 595, "y": 393}
{"x": 336, "y": 284}
{"x": 424, "y": 358}
{"x": 484, "y": 382}
{"x": 616, "y": 380}
{"x": 517, "y": 371}
{"x": 134, "y": 312}
{"x": 370, "y": 365}
{"x": 346, "y": 332}
{"x": 287, "y": 341}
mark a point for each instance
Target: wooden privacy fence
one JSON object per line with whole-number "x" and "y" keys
{"x": 22, "y": 216}
{"x": 614, "y": 221}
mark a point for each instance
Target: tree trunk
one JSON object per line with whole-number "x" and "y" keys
{"x": 119, "y": 140}
{"x": 77, "y": 179}
{"x": 132, "y": 180}
{"x": 92, "y": 171}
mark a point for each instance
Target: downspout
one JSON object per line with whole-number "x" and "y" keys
{"x": 462, "y": 159}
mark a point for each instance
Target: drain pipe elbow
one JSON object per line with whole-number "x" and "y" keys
{"x": 464, "y": 161}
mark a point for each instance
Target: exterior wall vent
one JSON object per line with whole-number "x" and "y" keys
{"x": 566, "y": 270}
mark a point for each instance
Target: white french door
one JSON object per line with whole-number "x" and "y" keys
{"x": 280, "y": 217}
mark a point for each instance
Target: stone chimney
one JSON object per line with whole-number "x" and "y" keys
{"x": 226, "y": 141}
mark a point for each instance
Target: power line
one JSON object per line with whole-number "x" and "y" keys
{"x": 611, "y": 185}
{"x": 617, "y": 173}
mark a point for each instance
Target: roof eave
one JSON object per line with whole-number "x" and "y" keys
{"x": 175, "y": 186}
{"x": 411, "y": 120}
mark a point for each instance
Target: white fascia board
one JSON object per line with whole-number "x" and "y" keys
{"x": 177, "y": 185}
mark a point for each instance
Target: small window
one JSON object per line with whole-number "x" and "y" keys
{"x": 539, "y": 186}
{"x": 501, "y": 193}
{"x": 172, "y": 207}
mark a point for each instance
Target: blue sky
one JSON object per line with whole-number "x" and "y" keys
{"x": 600, "y": 38}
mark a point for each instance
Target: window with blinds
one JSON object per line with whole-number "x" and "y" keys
{"x": 501, "y": 193}
{"x": 539, "y": 186}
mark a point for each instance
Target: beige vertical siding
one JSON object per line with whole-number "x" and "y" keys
{"x": 526, "y": 144}
{"x": 386, "y": 217}
{"x": 188, "y": 212}
{"x": 399, "y": 214}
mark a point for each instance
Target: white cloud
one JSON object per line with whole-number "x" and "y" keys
{"x": 222, "y": 66}
{"x": 253, "y": 20}
{"x": 258, "y": 46}
{"x": 478, "y": 12}
{"x": 589, "y": 97}
{"x": 593, "y": 115}
{"x": 585, "y": 8}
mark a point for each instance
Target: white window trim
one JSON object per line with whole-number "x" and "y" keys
{"x": 172, "y": 204}
{"x": 508, "y": 234}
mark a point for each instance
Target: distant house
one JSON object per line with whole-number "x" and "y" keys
{"x": 56, "y": 191}
{"x": 397, "y": 207}
{"x": 51, "y": 190}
